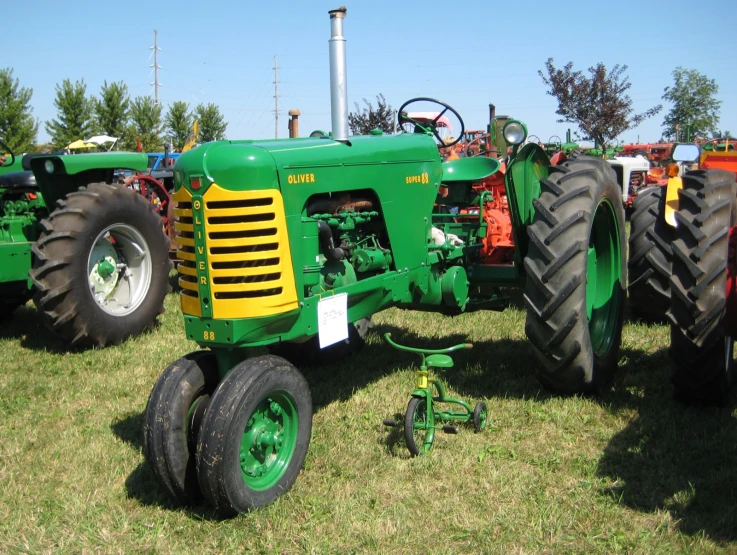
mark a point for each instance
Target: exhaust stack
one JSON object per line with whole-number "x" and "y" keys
{"x": 338, "y": 76}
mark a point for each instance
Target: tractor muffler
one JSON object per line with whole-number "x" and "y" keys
{"x": 338, "y": 76}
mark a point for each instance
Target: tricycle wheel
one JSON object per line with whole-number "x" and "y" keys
{"x": 576, "y": 275}
{"x": 419, "y": 431}
{"x": 650, "y": 256}
{"x": 255, "y": 435}
{"x": 703, "y": 299}
{"x": 172, "y": 421}
{"x": 480, "y": 415}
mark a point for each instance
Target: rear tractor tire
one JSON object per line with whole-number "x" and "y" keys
{"x": 703, "y": 315}
{"x": 576, "y": 275}
{"x": 101, "y": 266}
{"x": 650, "y": 256}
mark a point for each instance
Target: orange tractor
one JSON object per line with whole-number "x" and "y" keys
{"x": 657, "y": 153}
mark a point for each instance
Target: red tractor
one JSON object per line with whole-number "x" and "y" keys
{"x": 655, "y": 152}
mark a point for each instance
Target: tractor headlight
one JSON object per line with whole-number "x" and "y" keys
{"x": 49, "y": 166}
{"x": 514, "y": 132}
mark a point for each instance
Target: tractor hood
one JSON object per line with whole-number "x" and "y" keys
{"x": 272, "y": 164}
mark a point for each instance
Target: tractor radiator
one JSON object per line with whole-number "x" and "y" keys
{"x": 234, "y": 252}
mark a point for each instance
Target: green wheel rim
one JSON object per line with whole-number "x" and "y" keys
{"x": 603, "y": 278}
{"x": 269, "y": 441}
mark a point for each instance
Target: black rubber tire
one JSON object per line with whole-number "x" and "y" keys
{"x": 416, "y": 406}
{"x": 650, "y": 256}
{"x": 575, "y": 153}
{"x": 480, "y": 416}
{"x": 59, "y": 273}
{"x": 707, "y": 210}
{"x": 246, "y": 386}
{"x": 556, "y": 266}
{"x": 168, "y": 438}
{"x": 309, "y": 353}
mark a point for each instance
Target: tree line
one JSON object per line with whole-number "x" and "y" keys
{"x": 596, "y": 101}
{"x": 133, "y": 121}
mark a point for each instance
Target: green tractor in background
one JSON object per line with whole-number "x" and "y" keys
{"x": 298, "y": 242}
{"x": 90, "y": 252}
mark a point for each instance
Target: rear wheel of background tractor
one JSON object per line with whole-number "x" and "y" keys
{"x": 173, "y": 417}
{"x": 255, "y": 434}
{"x": 101, "y": 266}
{"x": 650, "y": 256}
{"x": 575, "y": 276}
{"x": 703, "y": 300}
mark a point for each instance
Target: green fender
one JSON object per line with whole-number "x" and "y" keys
{"x": 469, "y": 169}
{"x": 72, "y": 171}
{"x": 522, "y": 181}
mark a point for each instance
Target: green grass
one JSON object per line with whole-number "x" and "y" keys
{"x": 629, "y": 471}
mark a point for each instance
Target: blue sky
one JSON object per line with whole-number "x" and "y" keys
{"x": 468, "y": 54}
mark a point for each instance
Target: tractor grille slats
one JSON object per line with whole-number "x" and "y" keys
{"x": 243, "y": 234}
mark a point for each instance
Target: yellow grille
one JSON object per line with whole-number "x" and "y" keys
{"x": 249, "y": 263}
{"x": 190, "y": 298}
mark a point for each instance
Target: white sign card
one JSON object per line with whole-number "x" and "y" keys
{"x": 332, "y": 319}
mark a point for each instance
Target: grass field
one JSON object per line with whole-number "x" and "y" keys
{"x": 629, "y": 471}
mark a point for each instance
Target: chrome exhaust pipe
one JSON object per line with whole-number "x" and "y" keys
{"x": 338, "y": 76}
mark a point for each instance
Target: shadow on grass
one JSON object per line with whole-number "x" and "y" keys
{"x": 141, "y": 484}
{"x": 671, "y": 457}
{"x": 26, "y": 325}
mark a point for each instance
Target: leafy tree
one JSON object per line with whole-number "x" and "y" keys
{"x": 146, "y": 119}
{"x": 18, "y": 128}
{"x": 178, "y": 122}
{"x": 74, "y": 114}
{"x": 598, "y": 104}
{"x": 211, "y": 122}
{"x": 112, "y": 109}
{"x": 363, "y": 121}
{"x": 694, "y": 104}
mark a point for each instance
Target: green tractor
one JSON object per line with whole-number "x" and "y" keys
{"x": 291, "y": 245}
{"x": 90, "y": 252}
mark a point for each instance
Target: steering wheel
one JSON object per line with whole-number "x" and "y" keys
{"x": 559, "y": 142}
{"x": 3, "y": 149}
{"x": 533, "y": 139}
{"x": 402, "y": 118}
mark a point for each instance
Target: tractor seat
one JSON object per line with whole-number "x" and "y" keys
{"x": 18, "y": 181}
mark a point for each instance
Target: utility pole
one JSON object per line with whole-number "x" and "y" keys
{"x": 276, "y": 97}
{"x": 156, "y": 67}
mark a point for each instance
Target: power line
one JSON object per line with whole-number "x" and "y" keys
{"x": 156, "y": 67}
{"x": 276, "y": 98}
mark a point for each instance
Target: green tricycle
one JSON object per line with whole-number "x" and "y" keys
{"x": 421, "y": 416}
